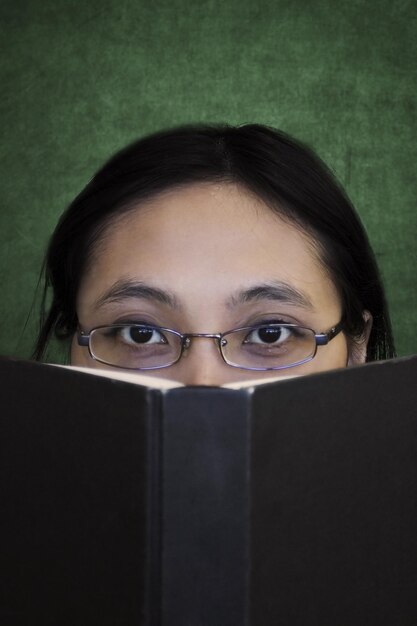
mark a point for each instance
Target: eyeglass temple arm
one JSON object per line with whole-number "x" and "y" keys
{"x": 323, "y": 339}
{"x": 83, "y": 340}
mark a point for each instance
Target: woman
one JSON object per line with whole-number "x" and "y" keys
{"x": 209, "y": 254}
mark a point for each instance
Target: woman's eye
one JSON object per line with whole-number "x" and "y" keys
{"x": 268, "y": 335}
{"x": 136, "y": 335}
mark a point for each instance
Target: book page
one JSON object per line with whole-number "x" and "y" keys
{"x": 128, "y": 377}
{"x": 255, "y": 382}
{"x": 164, "y": 383}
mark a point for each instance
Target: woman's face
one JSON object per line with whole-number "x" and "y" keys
{"x": 223, "y": 260}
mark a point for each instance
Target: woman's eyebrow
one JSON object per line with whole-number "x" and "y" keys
{"x": 126, "y": 289}
{"x": 278, "y": 291}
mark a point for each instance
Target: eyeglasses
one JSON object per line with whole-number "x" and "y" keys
{"x": 260, "y": 348}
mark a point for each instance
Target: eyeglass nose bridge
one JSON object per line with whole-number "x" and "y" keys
{"x": 187, "y": 339}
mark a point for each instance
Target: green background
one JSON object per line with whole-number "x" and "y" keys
{"x": 82, "y": 79}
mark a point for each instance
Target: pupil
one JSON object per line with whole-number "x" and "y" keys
{"x": 140, "y": 335}
{"x": 269, "y": 335}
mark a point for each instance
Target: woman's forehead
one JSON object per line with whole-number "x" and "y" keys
{"x": 206, "y": 239}
{"x": 204, "y": 217}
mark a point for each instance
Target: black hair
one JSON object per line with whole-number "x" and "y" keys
{"x": 281, "y": 171}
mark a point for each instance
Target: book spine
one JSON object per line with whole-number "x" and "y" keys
{"x": 152, "y": 595}
{"x": 205, "y": 508}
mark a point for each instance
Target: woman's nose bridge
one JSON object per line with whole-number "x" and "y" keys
{"x": 202, "y": 362}
{"x": 193, "y": 338}
{"x": 189, "y": 339}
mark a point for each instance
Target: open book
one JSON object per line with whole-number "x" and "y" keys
{"x": 287, "y": 502}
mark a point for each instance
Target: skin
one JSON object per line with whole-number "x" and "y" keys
{"x": 204, "y": 244}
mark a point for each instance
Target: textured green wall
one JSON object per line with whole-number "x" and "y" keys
{"x": 81, "y": 79}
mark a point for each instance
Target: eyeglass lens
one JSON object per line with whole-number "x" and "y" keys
{"x": 135, "y": 347}
{"x": 268, "y": 347}
{"x": 272, "y": 346}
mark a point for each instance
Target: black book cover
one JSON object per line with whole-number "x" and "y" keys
{"x": 287, "y": 503}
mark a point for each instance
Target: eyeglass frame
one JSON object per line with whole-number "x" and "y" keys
{"x": 321, "y": 339}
